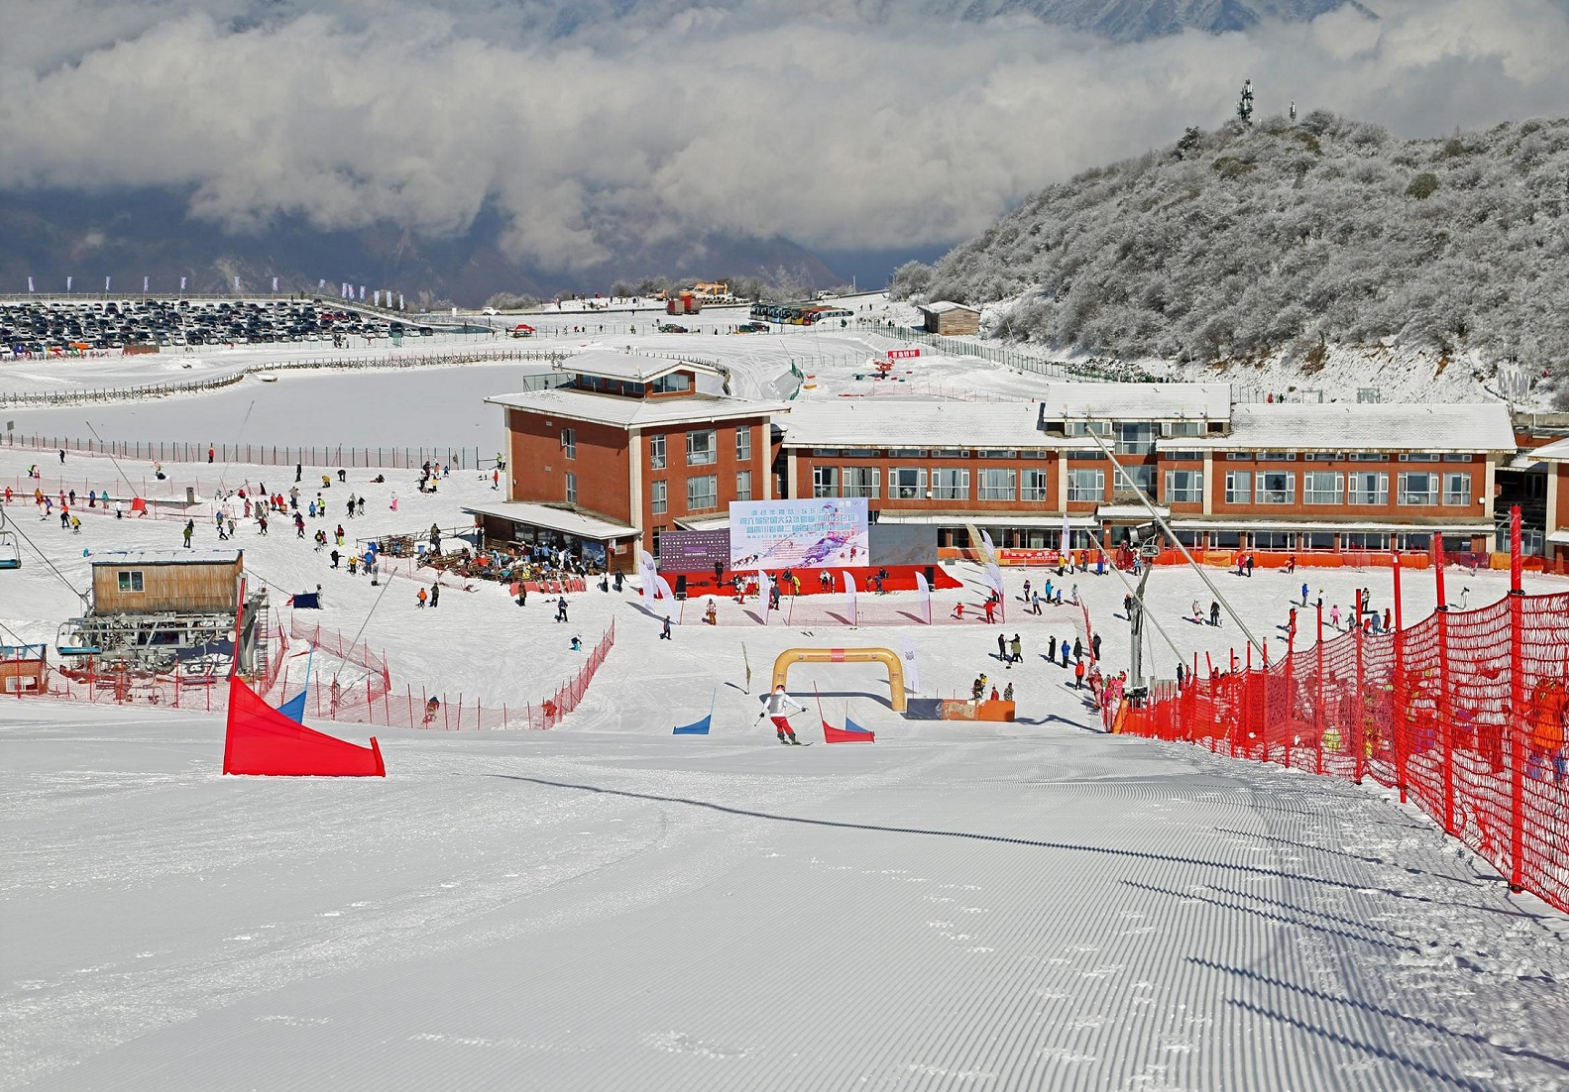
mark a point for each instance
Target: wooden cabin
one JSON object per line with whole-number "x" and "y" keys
{"x": 24, "y": 669}
{"x": 948, "y": 318}
{"x": 145, "y": 582}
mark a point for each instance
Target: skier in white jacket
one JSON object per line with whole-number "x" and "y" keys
{"x": 777, "y": 707}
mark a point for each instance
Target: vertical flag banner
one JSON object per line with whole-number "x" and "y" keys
{"x": 29, "y": 284}
{"x": 849, "y": 595}
{"x": 182, "y": 284}
{"x": 68, "y": 284}
{"x": 236, "y": 284}
{"x": 145, "y": 281}
{"x": 106, "y": 286}
{"x": 362, "y": 293}
{"x": 925, "y": 592}
{"x": 400, "y": 301}
{"x": 275, "y": 284}
{"x": 912, "y": 670}
{"x": 321, "y": 284}
{"x": 1067, "y": 536}
{"x": 375, "y": 297}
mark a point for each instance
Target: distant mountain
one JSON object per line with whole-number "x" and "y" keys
{"x": 1134, "y": 20}
{"x": 131, "y": 234}
{"x": 1287, "y": 241}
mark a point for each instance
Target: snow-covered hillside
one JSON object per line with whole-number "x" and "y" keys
{"x": 1297, "y": 243}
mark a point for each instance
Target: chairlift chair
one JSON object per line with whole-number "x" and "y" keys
{"x": 70, "y": 642}
{"x": 10, "y": 550}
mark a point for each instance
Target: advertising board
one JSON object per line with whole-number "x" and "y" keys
{"x": 799, "y": 534}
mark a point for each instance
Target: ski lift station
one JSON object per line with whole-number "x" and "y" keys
{"x": 157, "y": 610}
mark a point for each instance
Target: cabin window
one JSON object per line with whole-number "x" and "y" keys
{"x": 569, "y": 442}
{"x": 131, "y": 582}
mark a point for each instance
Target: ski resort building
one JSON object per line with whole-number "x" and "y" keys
{"x": 1556, "y": 457}
{"x": 948, "y": 318}
{"x": 635, "y": 446}
{"x": 630, "y": 447}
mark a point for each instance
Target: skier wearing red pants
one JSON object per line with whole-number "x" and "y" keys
{"x": 777, "y": 707}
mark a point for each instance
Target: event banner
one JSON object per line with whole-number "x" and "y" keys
{"x": 799, "y": 534}
{"x": 693, "y": 551}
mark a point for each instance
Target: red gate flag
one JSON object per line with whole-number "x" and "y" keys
{"x": 262, "y": 741}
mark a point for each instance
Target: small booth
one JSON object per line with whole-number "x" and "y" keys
{"x": 24, "y": 669}
{"x": 607, "y": 543}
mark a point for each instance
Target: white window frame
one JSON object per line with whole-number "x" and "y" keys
{"x": 860, "y": 481}
{"x": 958, "y": 483}
{"x": 1191, "y": 493}
{"x": 989, "y": 490}
{"x": 1427, "y": 497}
{"x": 1314, "y": 493}
{"x": 825, "y": 481}
{"x": 656, "y": 451}
{"x": 897, "y": 490}
{"x": 1358, "y": 495}
{"x": 1457, "y": 488}
{"x": 705, "y": 453}
{"x": 743, "y": 445}
{"x": 1033, "y": 485}
{"x": 1263, "y": 494}
{"x": 569, "y": 443}
{"x": 1078, "y": 491}
{"x": 1239, "y": 487}
{"x": 743, "y": 485}
{"x": 571, "y": 487}
{"x": 694, "y": 502}
{"x": 131, "y": 581}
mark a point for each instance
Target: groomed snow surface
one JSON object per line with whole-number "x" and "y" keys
{"x": 1033, "y": 905}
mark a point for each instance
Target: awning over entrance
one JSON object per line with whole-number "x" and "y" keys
{"x": 568, "y": 521}
{"x": 1330, "y": 526}
{"x": 1050, "y": 521}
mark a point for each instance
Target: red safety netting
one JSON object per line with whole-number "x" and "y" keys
{"x": 262, "y": 741}
{"x": 375, "y": 700}
{"x": 1462, "y": 712}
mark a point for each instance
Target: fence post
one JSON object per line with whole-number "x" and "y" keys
{"x": 1516, "y": 708}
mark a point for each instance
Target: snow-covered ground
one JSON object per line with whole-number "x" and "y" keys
{"x": 955, "y": 906}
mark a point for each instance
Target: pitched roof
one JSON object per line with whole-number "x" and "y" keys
{"x": 632, "y": 367}
{"x": 1375, "y": 426}
{"x": 1137, "y": 401}
{"x": 906, "y": 422}
{"x": 610, "y": 409}
{"x": 944, "y": 306}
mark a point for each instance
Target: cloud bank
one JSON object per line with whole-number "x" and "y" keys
{"x": 589, "y": 125}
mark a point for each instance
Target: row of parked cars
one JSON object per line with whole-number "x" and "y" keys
{"x": 37, "y": 326}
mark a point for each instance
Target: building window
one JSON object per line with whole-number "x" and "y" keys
{"x": 674, "y": 383}
{"x": 862, "y": 481}
{"x": 1418, "y": 457}
{"x": 950, "y": 484}
{"x": 571, "y": 488}
{"x": 1277, "y": 456}
{"x": 998, "y": 485}
{"x": 908, "y": 453}
{"x": 702, "y": 493}
{"x": 1089, "y": 428}
{"x": 1277, "y": 487}
{"x": 997, "y": 453}
{"x": 1239, "y": 456}
{"x": 743, "y": 485}
{"x": 1141, "y": 477}
{"x": 569, "y": 443}
{"x": 1457, "y": 489}
{"x": 1184, "y": 456}
{"x": 1364, "y": 540}
{"x": 659, "y": 497}
{"x": 656, "y": 452}
{"x": 131, "y": 582}
{"x": 743, "y": 445}
{"x": 1032, "y": 487}
{"x": 1325, "y": 457}
{"x": 1369, "y": 488}
{"x": 1323, "y": 487}
{"x": 906, "y": 483}
{"x": 1457, "y": 457}
{"x": 1368, "y": 457}
{"x": 1239, "y": 486}
{"x": 1184, "y": 428}
{"x": 1184, "y": 487}
{"x": 701, "y": 450}
{"x": 1135, "y": 437}
{"x": 825, "y": 481}
{"x": 1419, "y": 487}
{"x": 1086, "y": 485}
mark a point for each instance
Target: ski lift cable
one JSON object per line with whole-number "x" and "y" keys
{"x": 117, "y": 468}
{"x": 1164, "y": 526}
{"x": 45, "y": 558}
{"x": 365, "y": 623}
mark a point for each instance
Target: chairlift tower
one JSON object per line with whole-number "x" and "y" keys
{"x": 1245, "y": 103}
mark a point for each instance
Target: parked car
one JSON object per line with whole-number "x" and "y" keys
{"x": 672, "y": 328}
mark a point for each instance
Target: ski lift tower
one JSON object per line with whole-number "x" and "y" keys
{"x": 1245, "y": 103}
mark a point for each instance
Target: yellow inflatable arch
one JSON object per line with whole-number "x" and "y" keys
{"x": 887, "y": 657}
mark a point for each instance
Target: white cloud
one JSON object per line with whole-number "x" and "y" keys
{"x": 812, "y": 120}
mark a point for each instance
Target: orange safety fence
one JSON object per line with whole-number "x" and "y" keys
{"x": 1462, "y": 712}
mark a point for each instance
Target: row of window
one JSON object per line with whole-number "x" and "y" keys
{"x": 702, "y": 448}
{"x": 702, "y": 492}
{"x": 1331, "y": 487}
{"x": 938, "y": 483}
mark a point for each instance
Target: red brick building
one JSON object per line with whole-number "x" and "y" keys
{"x": 626, "y": 448}
{"x": 633, "y": 446}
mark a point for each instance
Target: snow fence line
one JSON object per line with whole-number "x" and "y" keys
{"x": 17, "y": 399}
{"x": 1463, "y": 712}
